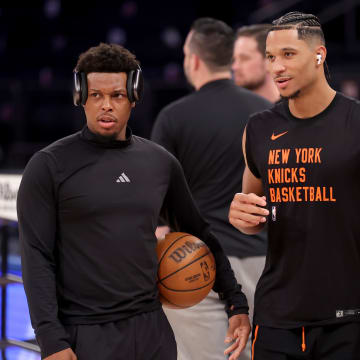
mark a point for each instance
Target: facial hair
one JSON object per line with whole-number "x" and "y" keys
{"x": 254, "y": 85}
{"x": 291, "y": 96}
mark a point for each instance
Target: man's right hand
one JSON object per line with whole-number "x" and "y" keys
{"x": 247, "y": 212}
{"x": 66, "y": 354}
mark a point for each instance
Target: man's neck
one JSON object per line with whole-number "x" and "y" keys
{"x": 268, "y": 90}
{"x": 312, "y": 102}
{"x": 209, "y": 77}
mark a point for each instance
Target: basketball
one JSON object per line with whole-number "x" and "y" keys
{"x": 186, "y": 271}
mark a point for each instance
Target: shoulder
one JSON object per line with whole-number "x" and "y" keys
{"x": 176, "y": 106}
{"x": 348, "y": 101}
{"x": 64, "y": 145}
{"x": 276, "y": 111}
{"x": 153, "y": 153}
{"x": 52, "y": 150}
{"x": 251, "y": 97}
{"x": 150, "y": 147}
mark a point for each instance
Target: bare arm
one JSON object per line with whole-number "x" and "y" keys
{"x": 246, "y": 211}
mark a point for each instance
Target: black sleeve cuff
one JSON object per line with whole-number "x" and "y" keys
{"x": 236, "y": 302}
{"x": 52, "y": 341}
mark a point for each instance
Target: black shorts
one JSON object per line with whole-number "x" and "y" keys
{"x": 330, "y": 342}
{"x": 147, "y": 336}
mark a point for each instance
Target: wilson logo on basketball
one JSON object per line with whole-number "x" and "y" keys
{"x": 186, "y": 271}
{"x": 181, "y": 252}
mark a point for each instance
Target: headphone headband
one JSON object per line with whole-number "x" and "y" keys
{"x": 134, "y": 86}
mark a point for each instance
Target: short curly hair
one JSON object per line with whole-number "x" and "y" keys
{"x": 106, "y": 58}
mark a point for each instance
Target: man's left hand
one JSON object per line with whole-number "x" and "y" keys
{"x": 238, "y": 333}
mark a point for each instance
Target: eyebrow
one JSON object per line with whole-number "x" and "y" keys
{"x": 115, "y": 90}
{"x": 283, "y": 49}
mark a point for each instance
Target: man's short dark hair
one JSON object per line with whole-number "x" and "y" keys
{"x": 213, "y": 40}
{"x": 109, "y": 58}
{"x": 307, "y": 25}
{"x": 258, "y": 32}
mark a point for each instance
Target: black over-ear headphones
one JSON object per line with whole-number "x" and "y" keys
{"x": 134, "y": 86}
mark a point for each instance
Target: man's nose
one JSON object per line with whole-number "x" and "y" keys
{"x": 277, "y": 67}
{"x": 107, "y": 105}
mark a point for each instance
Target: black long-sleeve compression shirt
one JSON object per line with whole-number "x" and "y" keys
{"x": 88, "y": 210}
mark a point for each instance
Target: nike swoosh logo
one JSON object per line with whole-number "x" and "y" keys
{"x": 274, "y": 137}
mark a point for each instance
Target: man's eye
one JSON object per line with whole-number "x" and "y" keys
{"x": 95, "y": 95}
{"x": 289, "y": 54}
{"x": 270, "y": 57}
{"x": 119, "y": 95}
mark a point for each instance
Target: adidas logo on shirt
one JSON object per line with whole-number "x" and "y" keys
{"x": 123, "y": 178}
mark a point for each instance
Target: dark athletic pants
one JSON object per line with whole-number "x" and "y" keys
{"x": 330, "y": 342}
{"x": 147, "y": 336}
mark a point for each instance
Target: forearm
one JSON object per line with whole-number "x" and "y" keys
{"x": 183, "y": 215}
{"x": 225, "y": 283}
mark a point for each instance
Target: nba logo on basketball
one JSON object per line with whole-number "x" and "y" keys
{"x": 273, "y": 213}
{"x": 339, "y": 313}
{"x": 205, "y": 270}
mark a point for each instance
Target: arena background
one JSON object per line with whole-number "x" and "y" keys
{"x": 39, "y": 46}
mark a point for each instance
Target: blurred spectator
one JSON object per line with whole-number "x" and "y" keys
{"x": 249, "y": 63}
{"x": 350, "y": 87}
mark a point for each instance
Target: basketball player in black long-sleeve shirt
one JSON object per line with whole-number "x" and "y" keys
{"x": 304, "y": 156}
{"x": 88, "y": 207}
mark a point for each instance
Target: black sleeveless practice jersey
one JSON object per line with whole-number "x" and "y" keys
{"x": 310, "y": 170}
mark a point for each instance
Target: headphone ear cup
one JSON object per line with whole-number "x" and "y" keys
{"x": 135, "y": 85}
{"x": 138, "y": 84}
{"x": 84, "y": 88}
{"x": 77, "y": 89}
{"x": 130, "y": 86}
{"x": 80, "y": 91}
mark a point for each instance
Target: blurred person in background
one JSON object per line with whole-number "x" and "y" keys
{"x": 249, "y": 62}
{"x": 204, "y": 130}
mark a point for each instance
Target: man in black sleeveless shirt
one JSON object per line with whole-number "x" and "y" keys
{"x": 302, "y": 178}
{"x": 88, "y": 207}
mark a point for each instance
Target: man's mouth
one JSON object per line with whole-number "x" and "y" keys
{"x": 106, "y": 121}
{"x": 282, "y": 82}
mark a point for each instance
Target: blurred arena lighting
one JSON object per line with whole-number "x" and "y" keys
{"x": 45, "y": 77}
{"x": 350, "y": 87}
{"x": 59, "y": 42}
{"x": 116, "y": 35}
{"x": 52, "y": 8}
{"x": 171, "y": 37}
{"x": 270, "y": 9}
{"x": 129, "y": 9}
{"x": 172, "y": 72}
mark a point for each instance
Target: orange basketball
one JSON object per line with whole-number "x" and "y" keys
{"x": 186, "y": 271}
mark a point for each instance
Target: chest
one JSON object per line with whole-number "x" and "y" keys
{"x": 114, "y": 184}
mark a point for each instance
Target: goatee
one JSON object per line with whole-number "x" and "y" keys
{"x": 292, "y": 96}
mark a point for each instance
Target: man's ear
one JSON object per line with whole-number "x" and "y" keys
{"x": 321, "y": 53}
{"x": 196, "y": 61}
